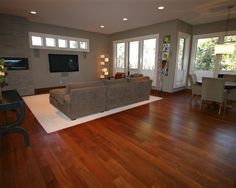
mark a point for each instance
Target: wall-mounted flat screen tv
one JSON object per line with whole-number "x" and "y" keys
{"x": 63, "y": 63}
{"x": 16, "y": 63}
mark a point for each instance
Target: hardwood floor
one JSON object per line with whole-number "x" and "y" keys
{"x": 166, "y": 143}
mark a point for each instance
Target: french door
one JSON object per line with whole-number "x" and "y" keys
{"x": 138, "y": 55}
{"x": 182, "y": 57}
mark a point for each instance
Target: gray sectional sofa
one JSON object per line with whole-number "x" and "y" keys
{"x": 81, "y": 99}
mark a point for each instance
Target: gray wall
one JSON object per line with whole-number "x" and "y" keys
{"x": 14, "y": 42}
{"x": 184, "y": 27}
{"x": 213, "y": 27}
{"x": 166, "y": 28}
{"x": 88, "y": 62}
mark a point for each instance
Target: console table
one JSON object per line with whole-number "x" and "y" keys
{"x": 12, "y": 101}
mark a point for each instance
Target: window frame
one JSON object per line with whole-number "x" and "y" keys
{"x": 66, "y": 43}
{"x": 194, "y": 46}
{"x": 225, "y": 71}
{"x": 69, "y": 44}
{"x": 45, "y": 39}
{"x": 42, "y": 40}
{"x": 178, "y": 83}
{"x": 126, "y": 41}
{"x": 141, "y": 52}
{"x": 115, "y": 65}
{"x": 56, "y": 37}
{"x": 183, "y": 53}
{"x": 216, "y": 70}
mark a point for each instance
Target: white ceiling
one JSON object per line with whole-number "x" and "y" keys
{"x": 90, "y": 14}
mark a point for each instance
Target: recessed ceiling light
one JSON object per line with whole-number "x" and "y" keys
{"x": 102, "y": 26}
{"x": 33, "y": 12}
{"x": 125, "y": 19}
{"x": 161, "y": 8}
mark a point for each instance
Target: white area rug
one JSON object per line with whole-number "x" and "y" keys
{"x": 53, "y": 120}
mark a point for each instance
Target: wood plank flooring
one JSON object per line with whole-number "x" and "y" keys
{"x": 167, "y": 143}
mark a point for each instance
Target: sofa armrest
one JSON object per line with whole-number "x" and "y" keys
{"x": 87, "y": 100}
{"x": 58, "y": 94}
{"x": 67, "y": 98}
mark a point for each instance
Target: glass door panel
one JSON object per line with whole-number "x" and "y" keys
{"x": 182, "y": 60}
{"x": 133, "y": 55}
{"x": 149, "y": 59}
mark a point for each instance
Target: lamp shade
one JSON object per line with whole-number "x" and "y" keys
{"x": 225, "y": 48}
{"x": 106, "y": 73}
{"x": 2, "y": 70}
{"x": 104, "y": 69}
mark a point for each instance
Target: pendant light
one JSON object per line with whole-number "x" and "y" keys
{"x": 225, "y": 48}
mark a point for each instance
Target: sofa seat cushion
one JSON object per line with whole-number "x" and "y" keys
{"x": 58, "y": 95}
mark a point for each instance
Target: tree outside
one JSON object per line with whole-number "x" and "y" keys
{"x": 228, "y": 61}
{"x": 205, "y": 56}
{"x": 120, "y": 55}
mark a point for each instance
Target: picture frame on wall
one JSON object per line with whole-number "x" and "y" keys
{"x": 165, "y": 57}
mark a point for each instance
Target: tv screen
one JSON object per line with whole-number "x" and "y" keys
{"x": 63, "y": 63}
{"x": 16, "y": 63}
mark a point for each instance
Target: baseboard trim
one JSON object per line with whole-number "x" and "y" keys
{"x": 46, "y": 90}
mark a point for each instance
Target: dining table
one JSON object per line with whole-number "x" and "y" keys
{"x": 228, "y": 84}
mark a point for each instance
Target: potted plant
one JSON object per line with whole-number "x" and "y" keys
{"x": 2, "y": 76}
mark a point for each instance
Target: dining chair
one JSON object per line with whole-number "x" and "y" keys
{"x": 213, "y": 90}
{"x": 231, "y": 94}
{"x": 229, "y": 77}
{"x": 196, "y": 89}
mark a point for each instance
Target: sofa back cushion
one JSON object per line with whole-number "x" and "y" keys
{"x": 136, "y": 79}
{"x": 58, "y": 95}
{"x": 137, "y": 75}
{"x": 116, "y": 81}
{"x": 71, "y": 86}
{"x": 127, "y": 93}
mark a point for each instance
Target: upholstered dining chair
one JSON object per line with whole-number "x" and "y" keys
{"x": 231, "y": 94}
{"x": 229, "y": 77}
{"x": 231, "y": 91}
{"x": 213, "y": 90}
{"x": 196, "y": 89}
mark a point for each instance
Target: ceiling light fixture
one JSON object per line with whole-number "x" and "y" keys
{"x": 33, "y": 12}
{"x": 125, "y": 19}
{"x": 102, "y": 26}
{"x": 161, "y": 8}
{"x": 225, "y": 48}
